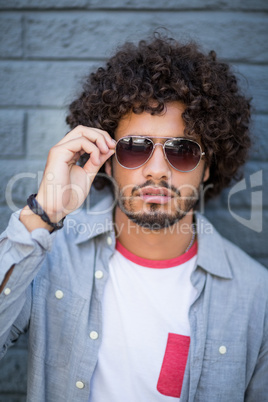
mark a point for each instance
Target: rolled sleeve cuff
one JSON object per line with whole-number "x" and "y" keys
{"x": 16, "y": 232}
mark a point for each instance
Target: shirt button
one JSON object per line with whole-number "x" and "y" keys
{"x": 98, "y": 274}
{"x": 109, "y": 241}
{"x": 80, "y": 384}
{"x": 94, "y": 335}
{"x": 7, "y": 291}
{"x": 59, "y": 294}
{"x": 222, "y": 350}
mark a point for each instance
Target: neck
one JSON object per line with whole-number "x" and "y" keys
{"x": 162, "y": 244}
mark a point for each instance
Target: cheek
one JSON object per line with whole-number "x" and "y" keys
{"x": 188, "y": 183}
{"x": 123, "y": 176}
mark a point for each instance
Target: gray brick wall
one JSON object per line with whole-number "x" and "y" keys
{"x": 46, "y": 47}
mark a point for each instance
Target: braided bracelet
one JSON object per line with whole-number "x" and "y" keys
{"x": 38, "y": 210}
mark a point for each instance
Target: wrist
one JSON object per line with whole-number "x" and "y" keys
{"x": 54, "y": 216}
{"x": 32, "y": 221}
{"x": 37, "y": 209}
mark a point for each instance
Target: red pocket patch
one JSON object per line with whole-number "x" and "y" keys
{"x": 173, "y": 366}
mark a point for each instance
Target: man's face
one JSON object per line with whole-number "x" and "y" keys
{"x": 156, "y": 195}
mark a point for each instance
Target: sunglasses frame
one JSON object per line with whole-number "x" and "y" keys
{"x": 163, "y": 146}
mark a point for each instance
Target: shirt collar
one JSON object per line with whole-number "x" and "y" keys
{"x": 211, "y": 249}
{"x": 96, "y": 216}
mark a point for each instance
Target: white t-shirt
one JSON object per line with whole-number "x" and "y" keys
{"x": 146, "y": 332}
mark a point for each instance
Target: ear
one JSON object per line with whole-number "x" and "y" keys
{"x": 108, "y": 167}
{"x": 206, "y": 173}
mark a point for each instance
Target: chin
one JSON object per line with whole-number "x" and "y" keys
{"x": 154, "y": 220}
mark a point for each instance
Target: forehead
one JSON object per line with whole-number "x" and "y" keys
{"x": 167, "y": 124}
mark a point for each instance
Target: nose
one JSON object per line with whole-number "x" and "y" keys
{"x": 157, "y": 167}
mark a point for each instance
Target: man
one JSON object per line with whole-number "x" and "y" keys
{"x": 139, "y": 298}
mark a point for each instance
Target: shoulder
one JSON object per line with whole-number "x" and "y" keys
{"x": 244, "y": 267}
{"x": 223, "y": 258}
{"x": 236, "y": 254}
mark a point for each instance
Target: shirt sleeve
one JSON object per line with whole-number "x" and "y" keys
{"x": 258, "y": 386}
{"x": 26, "y": 251}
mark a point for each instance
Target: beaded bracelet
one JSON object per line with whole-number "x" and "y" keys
{"x": 38, "y": 210}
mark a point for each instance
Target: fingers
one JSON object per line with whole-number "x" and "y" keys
{"x": 61, "y": 165}
{"x": 100, "y": 137}
{"x": 69, "y": 151}
{"x": 102, "y": 159}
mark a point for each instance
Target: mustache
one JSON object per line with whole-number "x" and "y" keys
{"x": 162, "y": 183}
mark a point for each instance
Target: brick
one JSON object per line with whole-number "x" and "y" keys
{"x": 253, "y": 243}
{"x": 45, "y": 129}
{"x": 93, "y": 34}
{"x": 32, "y": 83}
{"x": 11, "y": 36}
{"x": 13, "y": 371}
{"x": 259, "y": 136}
{"x": 182, "y": 4}
{"x": 242, "y": 199}
{"x": 13, "y": 397}
{"x": 253, "y": 80}
{"x": 263, "y": 261}
{"x": 46, "y": 4}
{"x": 4, "y": 218}
{"x": 137, "y": 4}
{"x": 19, "y": 179}
{"x": 11, "y": 133}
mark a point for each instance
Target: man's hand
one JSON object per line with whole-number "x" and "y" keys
{"x": 65, "y": 185}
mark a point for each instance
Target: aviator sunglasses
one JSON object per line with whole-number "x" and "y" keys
{"x": 182, "y": 154}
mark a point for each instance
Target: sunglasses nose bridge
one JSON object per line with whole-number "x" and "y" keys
{"x": 158, "y": 143}
{"x": 163, "y": 148}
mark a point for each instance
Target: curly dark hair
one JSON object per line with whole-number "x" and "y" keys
{"x": 164, "y": 70}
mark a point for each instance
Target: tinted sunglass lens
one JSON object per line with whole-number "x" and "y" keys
{"x": 183, "y": 155}
{"x": 132, "y": 152}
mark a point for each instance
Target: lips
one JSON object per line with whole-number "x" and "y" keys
{"x": 157, "y": 195}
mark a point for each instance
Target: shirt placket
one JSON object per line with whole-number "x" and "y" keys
{"x": 198, "y": 317}
{"x": 104, "y": 249}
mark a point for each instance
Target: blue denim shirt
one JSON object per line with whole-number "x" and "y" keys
{"x": 55, "y": 293}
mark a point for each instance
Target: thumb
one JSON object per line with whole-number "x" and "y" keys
{"x": 93, "y": 168}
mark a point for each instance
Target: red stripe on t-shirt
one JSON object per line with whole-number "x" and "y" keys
{"x": 172, "y": 262}
{"x": 173, "y": 367}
